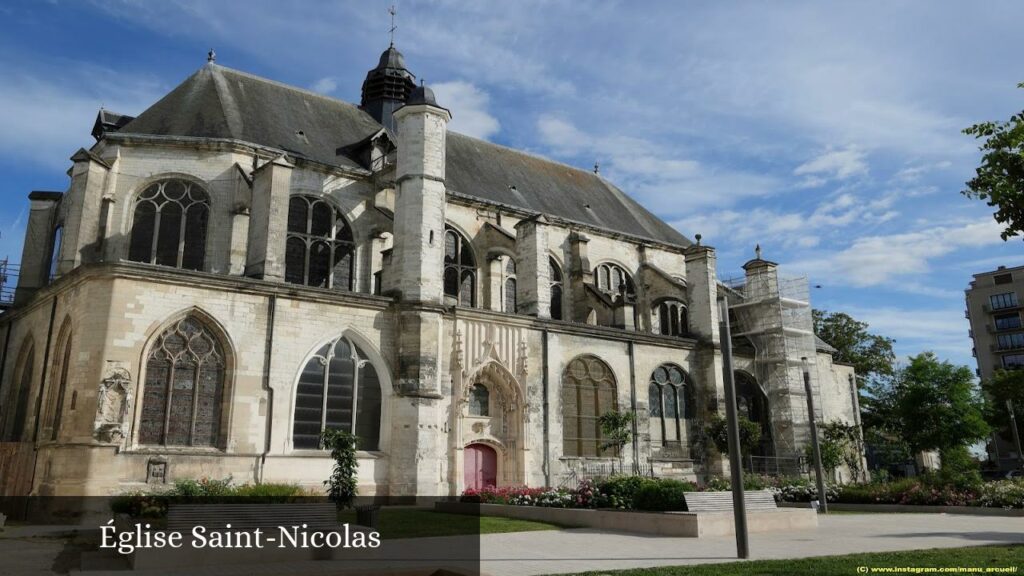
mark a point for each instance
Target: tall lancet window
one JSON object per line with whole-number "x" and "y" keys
{"x": 670, "y": 397}
{"x": 612, "y": 279}
{"x": 169, "y": 225}
{"x": 320, "y": 250}
{"x": 510, "y": 286}
{"x": 183, "y": 393}
{"x": 338, "y": 388}
{"x": 672, "y": 318}
{"x": 588, "y": 392}
{"x": 555, "y": 274}
{"x": 459, "y": 269}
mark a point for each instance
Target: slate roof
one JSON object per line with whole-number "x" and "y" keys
{"x": 219, "y": 102}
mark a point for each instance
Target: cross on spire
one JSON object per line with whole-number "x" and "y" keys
{"x": 391, "y": 31}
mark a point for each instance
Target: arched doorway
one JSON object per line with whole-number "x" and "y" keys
{"x": 480, "y": 466}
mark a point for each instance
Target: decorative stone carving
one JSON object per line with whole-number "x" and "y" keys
{"x": 156, "y": 471}
{"x": 113, "y": 407}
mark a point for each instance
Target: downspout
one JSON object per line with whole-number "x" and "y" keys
{"x": 268, "y": 357}
{"x": 46, "y": 372}
{"x": 546, "y": 414}
{"x": 632, "y": 404}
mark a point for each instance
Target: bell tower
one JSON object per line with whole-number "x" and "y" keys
{"x": 387, "y": 87}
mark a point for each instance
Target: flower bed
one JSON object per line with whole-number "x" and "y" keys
{"x": 154, "y": 504}
{"x": 652, "y": 494}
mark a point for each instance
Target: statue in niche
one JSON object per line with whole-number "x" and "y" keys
{"x": 113, "y": 407}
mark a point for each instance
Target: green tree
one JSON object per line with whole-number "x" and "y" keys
{"x": 341, "y": 486}
{"x": 936, "y": 405}
{"x": 839, "y": 444}
{"x": 870, "y": 355}
{"x": 617, "y": 431}
{"x": 1005, "y": 385}
{"x": 999, "y": 180}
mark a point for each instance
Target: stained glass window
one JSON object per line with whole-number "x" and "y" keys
{"x": 183, "y": 392}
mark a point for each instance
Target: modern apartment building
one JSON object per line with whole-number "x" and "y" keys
{"x": 994, "y": 309}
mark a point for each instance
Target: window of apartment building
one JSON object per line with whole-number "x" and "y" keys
{"x": 1009, "y": 341}
{"x": 1013, "y": 361}
{"x": 1003, "y": 279}
{"x": 1004, "y": 300}
{"x": 1007, "y": 321}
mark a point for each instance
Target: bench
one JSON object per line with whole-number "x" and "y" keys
{"x": 722, "y": 501}
{"x": 247, "y": 517}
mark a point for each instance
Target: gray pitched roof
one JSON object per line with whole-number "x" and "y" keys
{"x": 218, "y": 102}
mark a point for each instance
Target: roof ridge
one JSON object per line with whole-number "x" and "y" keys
{"x": 291, "y": 87}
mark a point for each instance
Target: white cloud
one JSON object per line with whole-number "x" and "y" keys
{"x": 878, "y": 260}
{"x": 468, "y": 105}
{"x": 653, "y": 173}
{"x": 942, "y": 330}
{"x": 325, "y": 85}
{"x": 832, "y": 165}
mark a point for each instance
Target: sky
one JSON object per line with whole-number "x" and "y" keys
{"x": 829, "y": 133}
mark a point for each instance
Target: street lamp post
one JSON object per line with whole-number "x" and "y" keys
{"x": 822, "y": 496}
{"x": 1016, "y": 434}
{"x": 731, "y": 419}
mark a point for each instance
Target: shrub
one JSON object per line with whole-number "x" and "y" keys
{"x": 662, "y": 495}
{"x": 620, "y": 491}
{"x": 959, "y": 469}
{"x": 341, "y": 486}
{"x": 718, "y": 432}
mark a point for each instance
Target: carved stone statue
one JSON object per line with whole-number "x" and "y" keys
{"x": 113, "y": 407}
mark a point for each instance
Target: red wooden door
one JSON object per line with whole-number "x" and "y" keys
{"x": 480, "y": 466}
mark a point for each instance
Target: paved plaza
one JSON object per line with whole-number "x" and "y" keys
{"x": 579, "y": 550}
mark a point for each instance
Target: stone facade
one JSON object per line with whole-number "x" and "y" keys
{"x": 77, "y": 369}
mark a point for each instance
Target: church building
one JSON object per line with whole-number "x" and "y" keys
{"x": 246, "y": 263}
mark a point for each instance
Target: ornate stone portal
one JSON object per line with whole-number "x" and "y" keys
{"x": 493, "y": 351}
{"x": 113, "y": 407}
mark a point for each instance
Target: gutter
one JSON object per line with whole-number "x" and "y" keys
{"x": 632, "y": 403}
{"x": 268, "y": 358}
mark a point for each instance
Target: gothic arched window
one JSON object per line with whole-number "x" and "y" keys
{"x": 169, "y": 226}
{"x": 479, "y": 401}
{"x": 672, "y": 318}
{"x": 588, "y": 392}
{"x": 19, "y": 396}
{"x": 183, "y": 392}
{"x": 61, "y": 368}
{"x": 555, "y": 274}
{"x": 338, "y": 388}
{"x": 58, "y": 236}
{"x": 459, "y": 269}
{"x": 510, "y": 286}
{"x": 670, "y": 398}
{"x": 612, "y": 279}
{"x": 320, "y": 251}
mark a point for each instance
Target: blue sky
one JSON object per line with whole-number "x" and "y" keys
{"x": 829, "y": 133}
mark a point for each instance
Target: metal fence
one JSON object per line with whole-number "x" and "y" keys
{"x": 776, "y": 465}
{"x": 580, "y": 471}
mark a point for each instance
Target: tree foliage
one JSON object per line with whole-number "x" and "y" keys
{"x": 1005, "y": 385}
{"x": 999, "y": 180}
{"x": 870, "y": 355}
{"x": 341, "y": 486}
{"x": 616, "y": 429}
{"x": 839, "y": 443}
{"x": 750, "y": 434}
{"x": 935, "y": 405}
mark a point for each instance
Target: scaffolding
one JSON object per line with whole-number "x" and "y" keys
{"x": 774, "y": 315}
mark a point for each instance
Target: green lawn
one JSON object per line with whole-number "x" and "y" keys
{"x": 973, "y": 557}
{"x": 418, "y": 523}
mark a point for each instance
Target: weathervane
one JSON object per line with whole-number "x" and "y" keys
{"x": 392, "y": 11}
